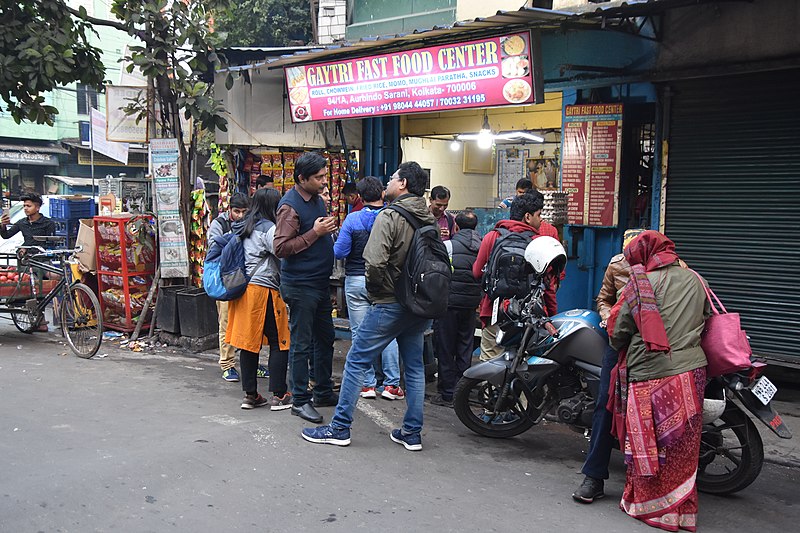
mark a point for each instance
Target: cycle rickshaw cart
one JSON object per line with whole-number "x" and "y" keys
{"x": 25, "y": 292}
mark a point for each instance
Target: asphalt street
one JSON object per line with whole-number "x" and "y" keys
{"x": 157, "y": 442}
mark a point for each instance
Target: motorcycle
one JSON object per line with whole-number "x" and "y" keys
{"x": 550, "y": 370}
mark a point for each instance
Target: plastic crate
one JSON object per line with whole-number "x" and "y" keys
{"x": 67, "y": 227}
{"x": 72, "y": 208}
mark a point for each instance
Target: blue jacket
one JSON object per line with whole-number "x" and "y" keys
{"x": 353, "y": 237}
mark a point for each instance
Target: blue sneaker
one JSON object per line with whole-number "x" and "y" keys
{"x": 411, "y": 442}
{"x": 327, "y": 435}
{"x": 231, "y": 374}
{"x": 262, "y": 372}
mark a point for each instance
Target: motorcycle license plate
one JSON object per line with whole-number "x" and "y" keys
{"x": 764, "y": 390}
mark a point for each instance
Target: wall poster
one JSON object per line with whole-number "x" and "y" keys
{"x": 592, "y": 144}
{"x": 164, "y": 169}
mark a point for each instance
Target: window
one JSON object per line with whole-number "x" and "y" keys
{"x": 86, "y": 95}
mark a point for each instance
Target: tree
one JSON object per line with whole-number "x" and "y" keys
{"x": 43, "y": 46}
{"x": 265, "y": 23}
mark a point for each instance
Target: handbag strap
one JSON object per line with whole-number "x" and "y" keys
{"x": 709, "y": 294}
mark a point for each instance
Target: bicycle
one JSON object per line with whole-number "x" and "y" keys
{"x": 80, "y": 317}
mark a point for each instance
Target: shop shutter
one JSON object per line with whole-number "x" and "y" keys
{"x": 733, "y": 198}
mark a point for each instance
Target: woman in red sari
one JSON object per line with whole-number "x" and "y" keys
{"x": 657, "y": 387}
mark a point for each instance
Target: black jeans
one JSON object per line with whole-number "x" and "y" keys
{"x": 601, "y": 442}
{"x": 278, "y": 359}
{"x": 453, "y": 341}
{"x": 312, "y": 334}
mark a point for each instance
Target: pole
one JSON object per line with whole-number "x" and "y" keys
{"x": 143, "y": 315}
{"x": 91, "y": 141}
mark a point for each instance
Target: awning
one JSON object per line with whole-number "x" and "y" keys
{"x": 73, "y": 182}
{"x": 612, "y": 16}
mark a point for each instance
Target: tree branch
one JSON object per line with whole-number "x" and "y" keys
{"x": 139, "y": 34}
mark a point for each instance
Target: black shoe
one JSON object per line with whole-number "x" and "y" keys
{"x": 307, "y": 412}
{"x": 329, "y": 401}
{"x": 590, "y": 490}
{"x": 442, "y": 401}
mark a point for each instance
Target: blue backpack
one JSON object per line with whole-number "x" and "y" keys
{"x": 224, "y": 274}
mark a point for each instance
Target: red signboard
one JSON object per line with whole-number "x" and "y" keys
{"x": 592, "y": 143}
{"x": 489, "y": 72}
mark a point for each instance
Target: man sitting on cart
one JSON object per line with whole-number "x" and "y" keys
{"x": 33, "y": 225}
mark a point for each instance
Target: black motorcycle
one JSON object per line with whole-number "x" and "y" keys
{"x": 551, "y": 371}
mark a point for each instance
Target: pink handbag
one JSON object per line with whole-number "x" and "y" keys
{"x": 723, "y": 340}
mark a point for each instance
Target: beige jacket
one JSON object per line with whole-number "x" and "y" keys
{"x": 616, "y": 277}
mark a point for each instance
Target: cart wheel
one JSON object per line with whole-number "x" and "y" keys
{"x": 26, "y": 321}
{"x": 81, "y": 321}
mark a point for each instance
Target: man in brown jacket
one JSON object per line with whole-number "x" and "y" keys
{"x": 601, "y": 443}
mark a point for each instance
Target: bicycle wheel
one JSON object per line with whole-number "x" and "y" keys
{"x": 26, "y": 321}
{"x": 81, "y": 321}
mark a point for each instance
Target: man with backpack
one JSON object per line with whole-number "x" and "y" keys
{"x": 440, "y": 199}
{"x": 404, "y": 239}
{"x": 303, "y": 242}
{"x": 501, "y": 255}
{"x": 237, "y": 208}
{"x": 453, "y": 334}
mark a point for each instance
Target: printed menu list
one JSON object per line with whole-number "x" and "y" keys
{"x": 591, "y": 161}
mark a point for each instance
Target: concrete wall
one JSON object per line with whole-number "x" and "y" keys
{"x": 331, "y": 21}
{"x": 730, "y": 33}
{"x": 471, "y": 9}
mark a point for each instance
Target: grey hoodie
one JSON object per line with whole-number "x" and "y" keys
{"x": 262, "y": 266}
{"x": 388, "y": 245}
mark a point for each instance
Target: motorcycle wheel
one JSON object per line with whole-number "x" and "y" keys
{"x": 474, "y": 401}
{"x": 731, "y": 453}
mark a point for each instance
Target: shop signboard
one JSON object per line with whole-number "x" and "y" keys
{"x": 164, "y": 167}
{"x": 592, "y": 142}
{"x": 122, "y": 127}
{"x": 28, "y": 158}
{"x": 490, "y": 72}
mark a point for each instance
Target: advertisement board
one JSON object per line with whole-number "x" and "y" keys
{"x": 592, "y": 140}
{"x": 120, "y": 126}
{"x": 490, "y": 72}
{"x": 164, "y": 167}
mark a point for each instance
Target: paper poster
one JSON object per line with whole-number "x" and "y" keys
{"x": 172, "y": 247}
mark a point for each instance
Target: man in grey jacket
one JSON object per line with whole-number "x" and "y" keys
{"x": 386, "y": 319}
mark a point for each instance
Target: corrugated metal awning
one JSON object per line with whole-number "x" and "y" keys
{"x": 615, "y": 15}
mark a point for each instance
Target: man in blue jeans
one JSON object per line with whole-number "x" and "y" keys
{"x": 386, "y": 319}
{"x": 303, "y": 242}
{"x": 350, "y": 245}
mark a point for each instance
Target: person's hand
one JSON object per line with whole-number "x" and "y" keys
{"x": 603, "y": 324}
{"x": 5, "y": 219}
{"x": 444, "y": 232}
{"x": 324, "y": 226}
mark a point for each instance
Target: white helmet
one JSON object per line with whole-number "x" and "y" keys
{"x": 544, "y": 252}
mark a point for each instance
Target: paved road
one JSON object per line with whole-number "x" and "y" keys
{"x": 135, "y": 442}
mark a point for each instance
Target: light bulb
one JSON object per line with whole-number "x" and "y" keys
{"x": 485, "y": 139}
{"x": 455, "y": 146}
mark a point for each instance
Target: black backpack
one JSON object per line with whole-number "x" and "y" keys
{"x": 424, "y": 282}
{"x": 507, "y": 274}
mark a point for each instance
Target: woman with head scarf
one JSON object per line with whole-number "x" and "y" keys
{"x": 657, "y": 386}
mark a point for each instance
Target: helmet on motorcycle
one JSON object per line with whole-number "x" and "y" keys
{"x": 544, "y": 252}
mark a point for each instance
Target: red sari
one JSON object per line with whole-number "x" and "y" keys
{"x": 660, "y": 420}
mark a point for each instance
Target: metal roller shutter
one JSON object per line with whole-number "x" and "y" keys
{"x": 733, "y": 198}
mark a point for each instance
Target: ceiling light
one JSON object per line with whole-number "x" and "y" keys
{"x": 455, "y": 145}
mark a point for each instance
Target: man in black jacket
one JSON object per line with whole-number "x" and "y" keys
{"x": 454, "y": 333}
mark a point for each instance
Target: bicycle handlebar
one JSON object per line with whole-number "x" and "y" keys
{"x": 39, "y": 251}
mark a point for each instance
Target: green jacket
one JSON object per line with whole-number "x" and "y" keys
{"x": 684, "y": 308}
{"x": 388, "y": 244}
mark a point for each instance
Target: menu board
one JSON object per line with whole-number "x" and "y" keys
{"x": 489, "y": 72}
{"x": 592, "y": 142}
{"x": 164, "y": 158}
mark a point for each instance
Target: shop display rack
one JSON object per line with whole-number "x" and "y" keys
{"x": 126, "y": 264}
